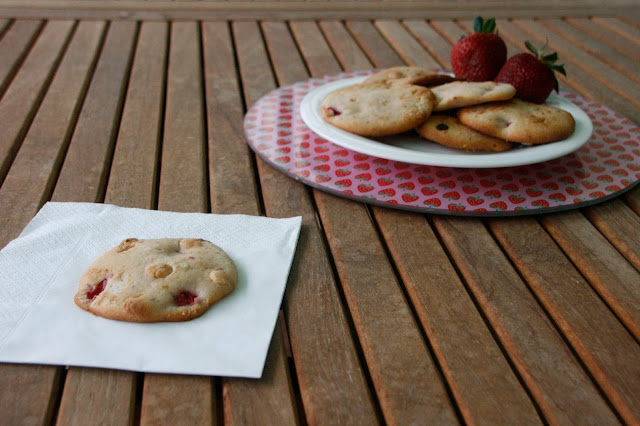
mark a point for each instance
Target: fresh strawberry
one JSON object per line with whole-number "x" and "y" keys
{"x": 532, "y": 74}
{"x": 479, "y": 56}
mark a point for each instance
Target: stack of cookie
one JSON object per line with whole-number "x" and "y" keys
{"x": 473, "y": 116}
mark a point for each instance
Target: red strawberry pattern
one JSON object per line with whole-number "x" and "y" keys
{"x": 607, "y": 165}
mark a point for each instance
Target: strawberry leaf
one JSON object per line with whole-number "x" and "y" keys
{"x": 478, "y": 24}
{"x": 560, "y": 69}
{"x": 484, "y": 27}
{"x": 489, "y": 26}
{"x": 531, "y": 48}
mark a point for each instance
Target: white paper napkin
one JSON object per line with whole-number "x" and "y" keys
{"x": 40, "y": 323}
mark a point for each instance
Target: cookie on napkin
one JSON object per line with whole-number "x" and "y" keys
{"x": 448, "y": 131}
{"x": 166, "y": 279}
{"x": 519, "y": 121}
{"x": 377, "y": 109}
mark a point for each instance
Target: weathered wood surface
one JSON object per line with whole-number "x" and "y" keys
{"x": 388, "y": 316}
{"x": 308, "y": 9}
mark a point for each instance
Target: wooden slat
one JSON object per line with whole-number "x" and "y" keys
{"x": 97, "y": 396}
{"x": 132, "y": 181}
{"x": 326, "y": 362}
{"x": 613, "y": 39}
{"x": 14, "y": 46}
{"x": 608, "y": 350}
{"x": 344, "y": 46}
{"x": 139, "y": 134}
{"x": 450, "y": 30}
{"x": 605, "y": 268}
{"x": 578, "y": 79}
{"x": 630, "y": 317}
{"x": 485, "y": 388}
{"x": 176, "y": 399}
{"x": 633, "y": 198}
{"x": 369, "y": 36}
{"x": 607, "y": 54}
{"x": 339, "y": 9}
{"x": 29, "y": 393}
{"x": 569, "y": 296}
{"x": 81, "y": 179}
{"x": 619, "y": 26}
{"x": 620, "y": 225}
{"x": 35, "y": 167}
{"x": 392, "y": 343}
{"x": 22, "y": 98}
{"x": 405, "y": 44}
{"x": 555, "y": 379}
{"x": 233, "y": 191}
{"x": 231, "y": 175}
{"x": 600, "y": 71}
{"x": 183, "y": 177}
{"x": 431, "y": 40}
{"x": 85, "y": 169}
{"x": 183, "y": 187}
{"x": 251, "y": 401}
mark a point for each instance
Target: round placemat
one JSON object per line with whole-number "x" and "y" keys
{"x": 604, "y": 167}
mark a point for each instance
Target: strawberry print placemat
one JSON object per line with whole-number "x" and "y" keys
{"x": 607, "y": 165}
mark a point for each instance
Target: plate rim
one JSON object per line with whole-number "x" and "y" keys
{"x": 311, "y": 115}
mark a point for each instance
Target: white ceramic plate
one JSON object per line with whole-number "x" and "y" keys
{"x": 411, "y": 148}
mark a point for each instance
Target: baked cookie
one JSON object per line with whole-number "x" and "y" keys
{"x": 167, "y": 279}
{"x": 377, "y": 109}
{"x": 465, "y": 93}
{"x": 409, "y": 75}
{"x": 519, "y": 121}
{"x": 448, "y": 131}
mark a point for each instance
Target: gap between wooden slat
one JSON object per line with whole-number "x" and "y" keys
{"x": 14, "y": 48}
{"x": 4, "y": 24}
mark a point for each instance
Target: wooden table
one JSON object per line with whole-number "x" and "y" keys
{"x": 389, "y": 316}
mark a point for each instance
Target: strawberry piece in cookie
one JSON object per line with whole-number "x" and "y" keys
{"x": 185, "y": 298}
{"x": 96, "y": 289}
